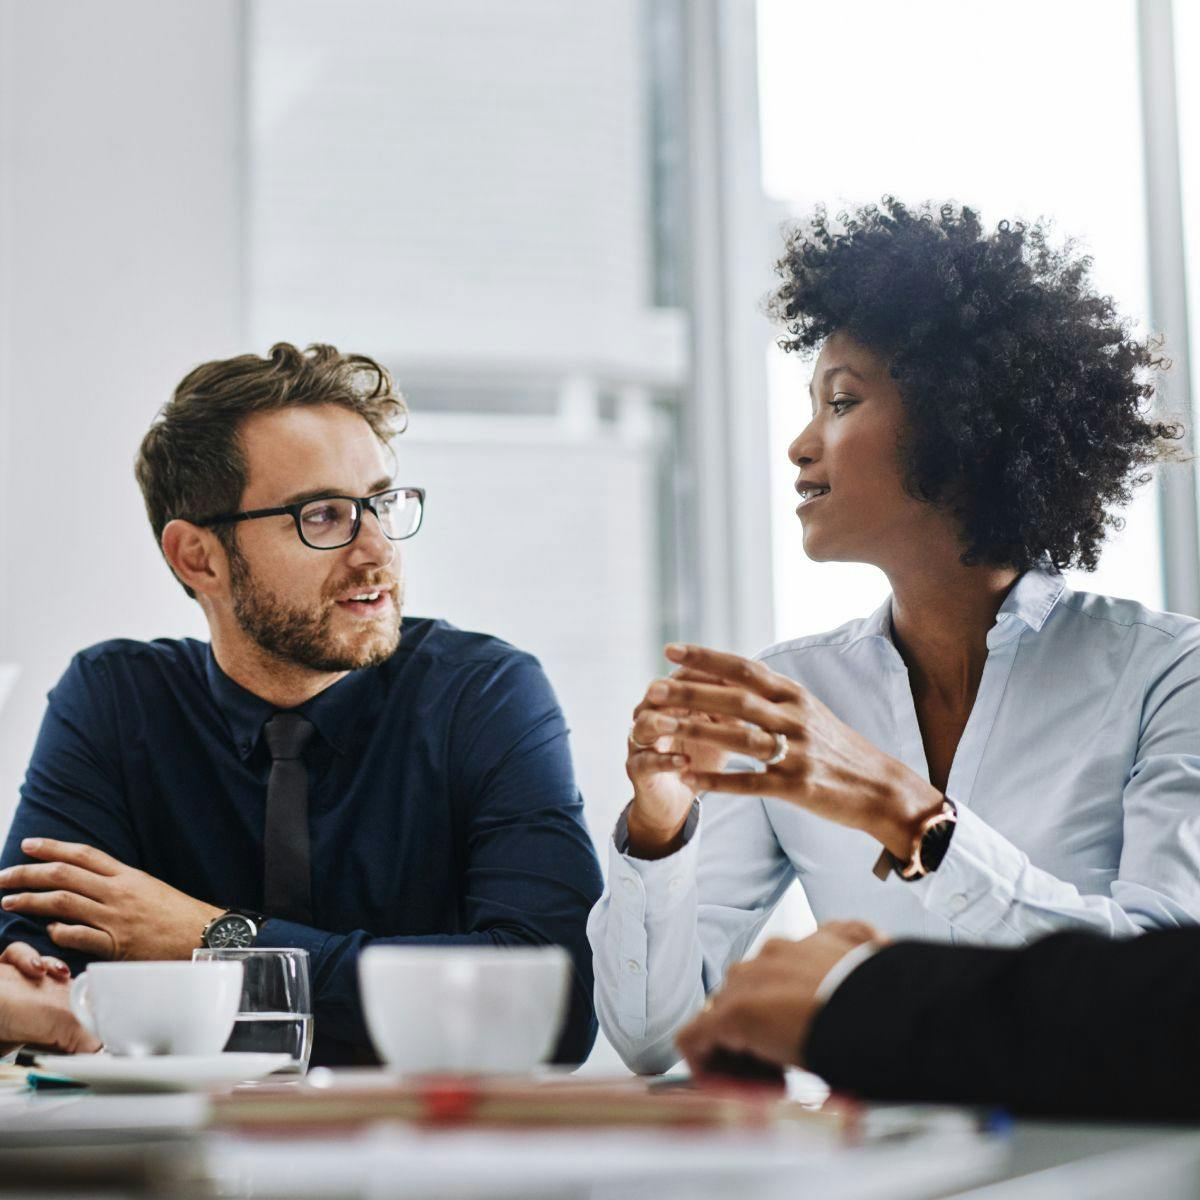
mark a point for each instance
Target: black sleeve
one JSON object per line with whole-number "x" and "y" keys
{"x": 1075, "y": 1024}
{"x": 73, "y": 790}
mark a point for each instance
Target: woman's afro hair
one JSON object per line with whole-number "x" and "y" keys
{"x": 1028, "y": 397}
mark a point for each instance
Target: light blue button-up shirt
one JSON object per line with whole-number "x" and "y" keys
{"x": 1077, "y": 781}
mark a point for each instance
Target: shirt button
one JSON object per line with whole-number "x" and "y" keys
{"x": 675, "y": 884}
{"x": 628, "y": 884}
{"x": 958, "y": 902}
{"x": 633, "y": 967}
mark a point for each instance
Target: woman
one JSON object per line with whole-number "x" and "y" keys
{"x": 990, "y": 756}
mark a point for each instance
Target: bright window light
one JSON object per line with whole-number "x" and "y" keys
{"x": 1024, "y": 110}
{"x": 1187, "y": 54}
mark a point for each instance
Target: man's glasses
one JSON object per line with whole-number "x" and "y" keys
{"x": 330, "y": 522}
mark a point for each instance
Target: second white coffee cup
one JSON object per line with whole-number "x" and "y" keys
{"x": 143, "y": 1008}
{"x": 473, "y": 1009}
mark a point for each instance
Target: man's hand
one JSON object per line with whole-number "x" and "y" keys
{"x": 101, "y": 907}
{"x": 766, "y": 1006}
{"x": 36, "y": 1012}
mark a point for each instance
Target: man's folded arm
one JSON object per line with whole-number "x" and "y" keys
{"x": 528, "y": 875}
{"x": 1074, "y": 1024}
{"x": 525, "y": 873}
{"x": 72, "y": 790}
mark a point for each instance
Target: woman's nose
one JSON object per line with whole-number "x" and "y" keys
{"x": 806, "y": 448}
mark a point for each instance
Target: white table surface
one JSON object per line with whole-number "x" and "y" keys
{"x": 156, "y": 1144}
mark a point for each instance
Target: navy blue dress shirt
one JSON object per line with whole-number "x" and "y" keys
{"x": 442, "y": 804}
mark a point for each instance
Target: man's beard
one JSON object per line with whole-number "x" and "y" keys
{"x": 305, "y": 637}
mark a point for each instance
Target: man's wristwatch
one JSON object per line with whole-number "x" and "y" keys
{"x": 933, "y": 840}
{"x": 235, "y": 930}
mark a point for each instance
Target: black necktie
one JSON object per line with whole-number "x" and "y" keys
{"x": 287, "y": 882}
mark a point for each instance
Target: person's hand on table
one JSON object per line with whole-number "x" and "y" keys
{"x": 724, "y": 704}
{"x": 100, "y": 906}
{"x": 766, "y": 1006}
{"x": 34, "y": 1008}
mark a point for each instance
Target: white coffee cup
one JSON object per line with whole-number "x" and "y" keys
{"x": 470, "y": 1009}
{"x": 142, "y": 1008}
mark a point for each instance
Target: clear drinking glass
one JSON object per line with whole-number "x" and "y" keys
{"x": 275, "y": 1016}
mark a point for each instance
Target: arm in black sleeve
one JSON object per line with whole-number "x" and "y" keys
{"x": 1073, "y": 1025}
{"x": 529, "y": 873}
{"x": 72, "y": 791}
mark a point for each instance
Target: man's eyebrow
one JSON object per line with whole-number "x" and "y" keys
{"x": 320, "y": 493}
{"x": 840, "y": 369}
{"x": 309, "y": 494}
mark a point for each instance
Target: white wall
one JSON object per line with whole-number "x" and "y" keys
{"x": 456, "y": 182}
{"x": 119, "y": 255}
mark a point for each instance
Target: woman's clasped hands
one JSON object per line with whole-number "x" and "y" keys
{"x": 716, "y": 705}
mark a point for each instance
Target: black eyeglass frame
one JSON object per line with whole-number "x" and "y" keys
{"x": 361, "y": 505}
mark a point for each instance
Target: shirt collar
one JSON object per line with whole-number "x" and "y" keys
{"x": 879, "y": 623}
{"x": 342, "y": 710}
{"x": 335, "y": 712}
{"x": 1029, "y": 601}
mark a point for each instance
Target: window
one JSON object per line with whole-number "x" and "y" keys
{"x": 1187, "y": 52}
{"x": 988, "y": 108}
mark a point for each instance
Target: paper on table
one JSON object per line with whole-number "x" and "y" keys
{"x": 8, "y": 676}
{"x": 324, "y": 1101}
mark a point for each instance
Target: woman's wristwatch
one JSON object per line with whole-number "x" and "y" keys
{"x": 933, "y": 840}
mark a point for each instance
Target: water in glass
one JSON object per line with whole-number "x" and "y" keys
{"x": 275, "y": 1015}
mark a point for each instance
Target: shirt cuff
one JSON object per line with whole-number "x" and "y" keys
{"x": 621, "y": 833}
{"x": 975, "y": 885}
{"x": 838, "y": 973}
{"x": 278, "y": 934}
{"x": 654, "y": 885}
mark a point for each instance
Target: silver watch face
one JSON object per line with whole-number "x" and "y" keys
{"x": 230, "y": 931}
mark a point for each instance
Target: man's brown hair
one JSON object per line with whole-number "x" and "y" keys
{"x": 190, "y": 464}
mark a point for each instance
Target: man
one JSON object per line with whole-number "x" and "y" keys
{"x": 322, "y": 774}
{"x": 33, "y": 1004}
{"x": 1075, "y": 1025}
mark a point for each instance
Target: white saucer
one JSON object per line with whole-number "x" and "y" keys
{"x": 162, "y": 1072}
